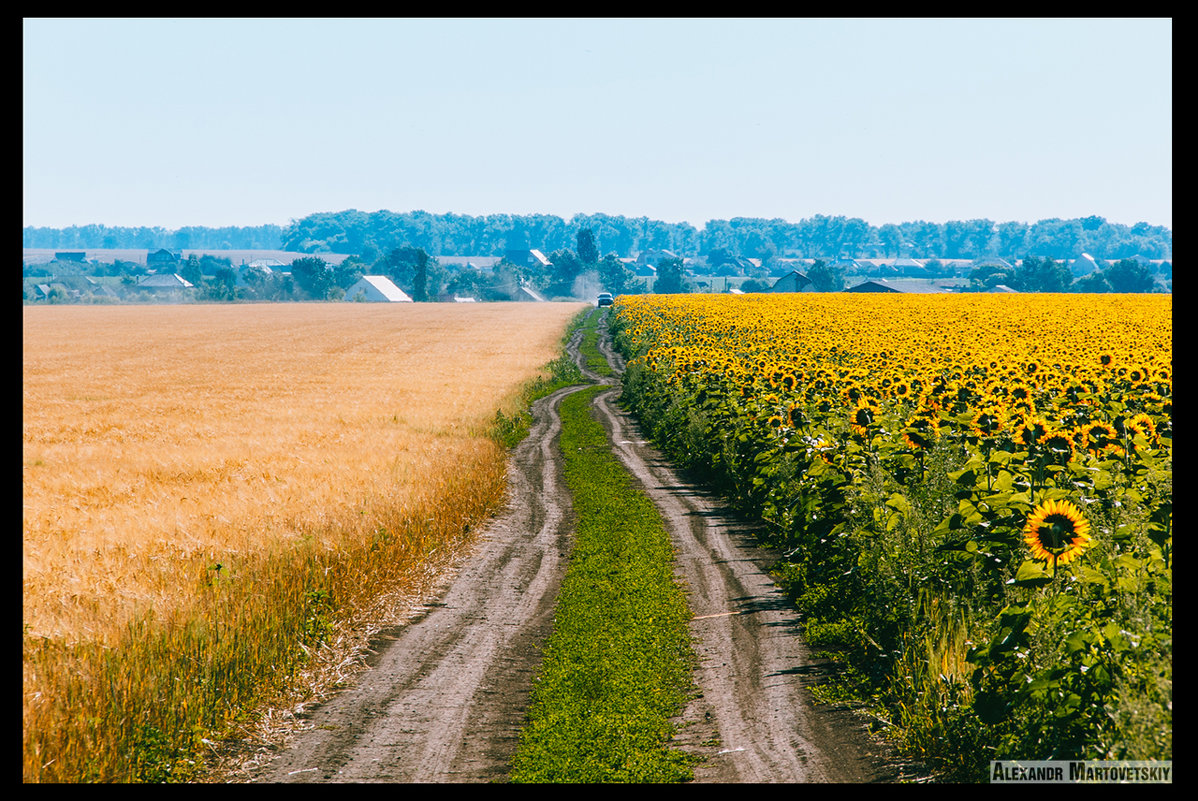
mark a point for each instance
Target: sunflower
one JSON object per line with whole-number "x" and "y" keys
{"x": 1141, "y": 424}
{"x": 988, "y": 421}
{"x": 1056, "y": 531}
{"x": 863, "y": 417}
{"x": 1020, "y": 393}
{"x": 1031, "y": 430}
{"x": 794, "y": 414}
{"x": 1058, "y": 441}
{"x": 920, "y": 433}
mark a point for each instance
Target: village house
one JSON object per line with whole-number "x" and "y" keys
{"x": 163, "y": 282}
{"x": 794, "y": 281}
{"x": 163, "y": 257}
{"x": 528, "y": 258}
{"x": 376, "y": 289}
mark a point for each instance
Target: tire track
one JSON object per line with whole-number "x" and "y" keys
{"x": 445, "y": 699}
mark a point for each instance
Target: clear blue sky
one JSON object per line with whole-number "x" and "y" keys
{"x": 212, "y": 122}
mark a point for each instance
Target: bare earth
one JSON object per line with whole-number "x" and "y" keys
{"x": 444, "y": 697}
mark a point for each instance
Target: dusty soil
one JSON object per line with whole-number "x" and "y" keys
{"x": 444, "y": 695}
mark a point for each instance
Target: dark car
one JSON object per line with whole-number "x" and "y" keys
{"x": 605, "y": 299}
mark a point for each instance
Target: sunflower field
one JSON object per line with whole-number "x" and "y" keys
{"x": 972, "y": 496}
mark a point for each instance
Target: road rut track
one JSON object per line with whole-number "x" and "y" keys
{"x": 446, "y": 693}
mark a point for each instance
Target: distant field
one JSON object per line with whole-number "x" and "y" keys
{"x": 155, "y": 436}
{"x": 138, "y": 255}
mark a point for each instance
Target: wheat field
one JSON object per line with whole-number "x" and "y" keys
{"x": 162, "y": 444}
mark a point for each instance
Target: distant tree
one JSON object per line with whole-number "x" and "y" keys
{"x": 1095, "y": 282}
{"x": 588, "y": 251}
{"x": 407, "y": 265}
{"x": 889, "y": 239}
{"x": 1041, "y": 275}
{"x": 222, "y": 287}
{"x": 467, "y": 282}
{"x": 618, "y": 279}
{"x": 988, "y": 276}
{"x": 313, "y": 276}
{"x": 671, "y": 279}
{"x": 211, "y": 265}
{"x": 347, "y": 273}
{"x": 566, "y": 267}
{"x": 936, "y": 268}
{"x": 719, "y": 256}
{"x": 1010, "y": 238}
{"x": 420, "y": 279}
{"x": 1129, "y": 275}
{"x": 191, "y": 270}
{"x": 826, "y": 277}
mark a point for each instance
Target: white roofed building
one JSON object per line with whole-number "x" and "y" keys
{"x": 376, "y": 289}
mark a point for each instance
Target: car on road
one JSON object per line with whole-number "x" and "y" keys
{"x": 605, "y": 299}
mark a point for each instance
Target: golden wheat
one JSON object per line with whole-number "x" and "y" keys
{"x": 155, "y": 435}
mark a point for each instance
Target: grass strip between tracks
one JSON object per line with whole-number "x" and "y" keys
{"x": 618, "y": 665}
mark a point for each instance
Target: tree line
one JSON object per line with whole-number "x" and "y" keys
{"x": 570, "y": 273}
{"x": 373, "y": 234}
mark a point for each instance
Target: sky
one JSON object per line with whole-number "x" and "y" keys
{"x": 251, "y": 121}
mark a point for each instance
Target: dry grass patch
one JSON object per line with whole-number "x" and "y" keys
{"x": 162, "y": 441}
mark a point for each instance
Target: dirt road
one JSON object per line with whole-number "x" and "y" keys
{"x": 444, "y": 699}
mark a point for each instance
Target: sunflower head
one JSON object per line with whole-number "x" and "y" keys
{"x": 1056, "y": 530}
{"x": 1097, "y": 435}
{"x": 988, "y": 421}
{"x": 794, "y": 415}
{"x": 863, "y": 417}
{"x": 1058, "y": 441}
{"x": 1141, "y": 424}
{"x": 920, "y": 433}
{"x": 1031, "y": 430}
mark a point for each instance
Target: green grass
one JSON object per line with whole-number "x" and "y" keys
{"x": 589, "y": 347}
{"x": 618, "y": 665}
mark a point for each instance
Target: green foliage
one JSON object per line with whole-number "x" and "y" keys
{"x": 588, "y": 251}
{"x": 617, "y": 666}
{"x": 313, "y": 276}
{"x": 671, "y": 278}
{"x": 318, "y": 617}
{"x": 413, "y": 271}
{"x": 618, "y": 279}
{"x": 1128, "y": 275}
{"x": 1041, "y": 275}
{"x": 826, "y": 277}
